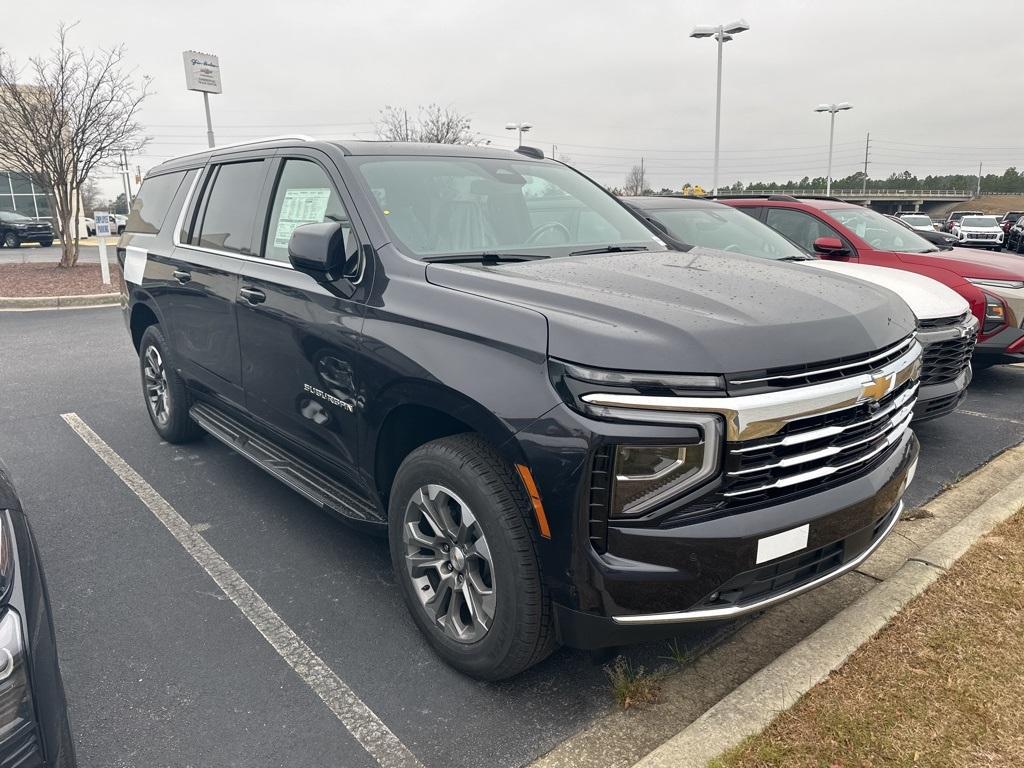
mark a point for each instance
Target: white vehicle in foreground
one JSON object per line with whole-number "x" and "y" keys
{"x": 983, "y": 231}
{"x": 919, "y": 221}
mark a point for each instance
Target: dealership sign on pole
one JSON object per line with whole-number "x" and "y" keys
{"x": 202, "y": 73}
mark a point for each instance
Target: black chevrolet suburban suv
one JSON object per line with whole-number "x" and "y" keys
{"x": 568, "y": 432}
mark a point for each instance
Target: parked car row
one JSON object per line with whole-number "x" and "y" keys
{"x": 578, "y": 420}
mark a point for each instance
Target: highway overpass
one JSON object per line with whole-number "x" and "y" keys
{"x": 885, "y": 200}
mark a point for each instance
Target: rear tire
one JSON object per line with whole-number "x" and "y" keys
{"x": 459, "y": 526}
{"x": 167, "y": 399}
{"x": 11, "y": 240}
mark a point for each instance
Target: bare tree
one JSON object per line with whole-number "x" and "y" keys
{"x": 433, "y": 124}
{"x": 91, "y": 196}
{"x": 77, "y": 111}
{"x": 636, "y": 181}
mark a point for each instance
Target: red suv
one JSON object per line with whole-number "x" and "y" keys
{"x": 993, "y": 283}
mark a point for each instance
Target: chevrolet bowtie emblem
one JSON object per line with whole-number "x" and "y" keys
{"x": 878, "y": 388}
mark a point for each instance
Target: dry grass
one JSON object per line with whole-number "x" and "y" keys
{"x": 632, "y": 686}
{"x": 941, "y": 686}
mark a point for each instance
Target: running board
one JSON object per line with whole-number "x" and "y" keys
{"x": 296, "y": 473}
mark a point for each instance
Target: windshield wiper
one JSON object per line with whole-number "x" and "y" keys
{"x": 609, "y": 249}
{"x": 487, "y": 257}
{"x": 797, "y": 258}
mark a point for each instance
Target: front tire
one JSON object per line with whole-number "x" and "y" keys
{"x": 167, "y": 399}
{"x": 464, "y": 553}
{"x": 45, "y": 243}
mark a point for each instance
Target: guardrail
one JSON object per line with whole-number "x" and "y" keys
{"x": 857, "y": 193}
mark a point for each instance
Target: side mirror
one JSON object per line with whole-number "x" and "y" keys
{"x": 831, "y": 248}
{"x": 319, "y": 250}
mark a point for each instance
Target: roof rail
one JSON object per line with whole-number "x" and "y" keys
{"x": 264, "y": 140}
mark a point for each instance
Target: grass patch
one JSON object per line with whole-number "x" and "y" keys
{"x": 942, "y": 686}
{"x": 632, "y": 686}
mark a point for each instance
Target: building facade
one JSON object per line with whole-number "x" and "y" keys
{"x": 18, "y": 193}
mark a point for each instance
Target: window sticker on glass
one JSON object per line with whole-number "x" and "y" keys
{"x": 300, "y": 206}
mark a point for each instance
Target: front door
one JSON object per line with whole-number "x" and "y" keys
{"x": 299, "y": 339}
{"x": 217, "y": 236}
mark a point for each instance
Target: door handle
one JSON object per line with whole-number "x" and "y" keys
{"x": 182, "y": 276}
{"x": 253, "y": 295}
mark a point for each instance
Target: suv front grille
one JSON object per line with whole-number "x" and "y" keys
{"x": 816, "y": 448}
{"x": 941, "y": 322}
{"x": 945, "y": 360}
{"x": 816, "y": 373}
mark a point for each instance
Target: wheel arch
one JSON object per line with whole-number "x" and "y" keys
{"x": 415, "y": 413}
{"x": 143, "y": 314}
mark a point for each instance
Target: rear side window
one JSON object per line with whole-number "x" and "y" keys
{"x": 149, "y": 209}
{"x": 802, "y": 228}
{"x": 229, "y": 207}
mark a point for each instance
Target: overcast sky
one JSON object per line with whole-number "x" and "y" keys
{"x": 608, "y": 81}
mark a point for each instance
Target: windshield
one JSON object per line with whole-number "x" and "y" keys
{"x": 917, "y": 221}
{"x": 726, "y": 229}
{"x": 879, "y": 232}
{"x": 979, "y": 221}
{"x": 11, "y": 216}
{"x": 456, "y": 205}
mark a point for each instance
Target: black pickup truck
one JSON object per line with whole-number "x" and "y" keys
{"x": 569, "y": 432}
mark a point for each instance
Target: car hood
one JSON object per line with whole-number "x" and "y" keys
{"x": 969, "y": 263}
{"x": 702, "y": 311}
{"x": 928, "y": 298}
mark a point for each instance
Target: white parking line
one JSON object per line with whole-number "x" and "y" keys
{"x": 375, "y": 737}
{"x": 981, "y": 415}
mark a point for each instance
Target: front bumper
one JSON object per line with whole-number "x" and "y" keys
{"x": 35, "y": 237}
{"x": 651, "y": 580}
{"x": 1007, "y": 346}
{"x": 985, "y": 242}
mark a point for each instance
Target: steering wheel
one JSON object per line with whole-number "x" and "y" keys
{"x": 547, "y": 226}
{"x": 732, "y": 248}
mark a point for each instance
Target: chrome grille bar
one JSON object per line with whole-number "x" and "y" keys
{"x": 751, "y": 417}
{"x": 834, "y": 450}
{"x": 829, "y": 469}
{"x": 820, "y": 434}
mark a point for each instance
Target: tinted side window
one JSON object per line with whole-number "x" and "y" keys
{"x": 152, "y": 203}
{"x": 802, "y": 228}
{"x": 304, "y": 195}
{"x": 230, "y": 207}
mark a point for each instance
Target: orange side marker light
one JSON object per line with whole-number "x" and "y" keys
{"x": 538, "y": 507}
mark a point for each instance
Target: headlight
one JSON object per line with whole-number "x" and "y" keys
{"x": 995, "y": 313}
{"x": 996, "y": 283}
{"x": 647, "y": 476}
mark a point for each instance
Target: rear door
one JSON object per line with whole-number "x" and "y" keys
{"x": 300, "y": 339}
{"x": 216, "y": 238}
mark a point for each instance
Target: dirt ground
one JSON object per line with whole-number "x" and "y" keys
{"x": 50, "y": 280}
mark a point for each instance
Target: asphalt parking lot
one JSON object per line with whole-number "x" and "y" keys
{"x": 162, "y": 669}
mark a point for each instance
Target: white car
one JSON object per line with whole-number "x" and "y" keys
{"x": 983, "y": 231}
{"x": 117, "y": 222}
{"x": 918, "y": 221}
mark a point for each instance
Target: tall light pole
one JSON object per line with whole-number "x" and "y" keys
{"x": 521, "y": 127}
{"x": 722, "y": 34}
{"x": 832, "y": 109}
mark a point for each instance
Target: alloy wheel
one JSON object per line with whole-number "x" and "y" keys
{"x": 449, "y": 563}
{"x": 155, "y": 382}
